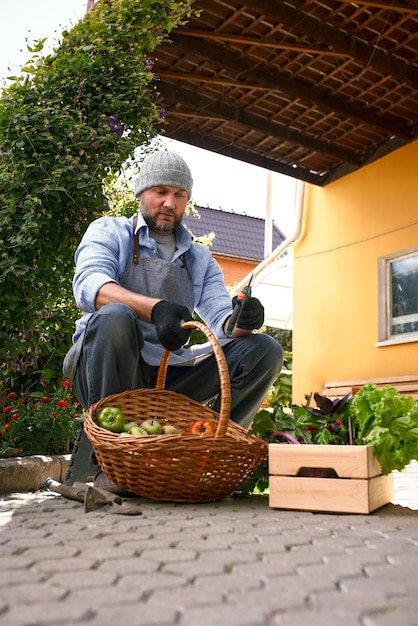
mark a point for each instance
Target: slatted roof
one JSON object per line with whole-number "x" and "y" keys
{"x": 310, "y": 89}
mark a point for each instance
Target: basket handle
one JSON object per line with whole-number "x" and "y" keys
{"x": 225, "y": 387}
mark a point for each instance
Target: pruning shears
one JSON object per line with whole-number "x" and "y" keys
{"x": 242, "y": 297}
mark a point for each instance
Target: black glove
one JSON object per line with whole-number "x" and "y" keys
{"x": 167, "y": 317}
{"x": 252, "y": 314}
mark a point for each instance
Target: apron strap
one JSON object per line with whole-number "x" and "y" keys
{"x": 183, "y": 259}
{"x": 135, "y": 256}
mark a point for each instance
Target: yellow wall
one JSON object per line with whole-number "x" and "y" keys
{"x": 347, "y": 225}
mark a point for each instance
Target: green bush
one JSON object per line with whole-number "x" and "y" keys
{"x": 67, "y": 125}
{"x": 39, "y": 424}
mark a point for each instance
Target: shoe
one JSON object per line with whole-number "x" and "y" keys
{"x": 103, "y": 482}
{"x": 80, "y": 468}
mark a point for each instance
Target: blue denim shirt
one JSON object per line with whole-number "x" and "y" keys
{"x": 104, "y": 251}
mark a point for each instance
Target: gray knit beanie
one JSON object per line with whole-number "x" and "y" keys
{"x": 164, "y": 168}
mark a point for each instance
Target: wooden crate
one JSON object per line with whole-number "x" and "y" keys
{"x": 296, "y": 482}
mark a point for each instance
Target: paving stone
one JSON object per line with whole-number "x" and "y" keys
{"x": 315, "y": 618}
{"x": 19, "y": 562}
{"x": 232, "y": 555}
{"x": 392, "y": 588}
{"x": 187, "y": 596}
{"x": 30, "y": 593}
{"x": 102, "y": 551}
{"x": 135, "y": 613}
{"x": 227, "y": 582}
{"x": 132, "y": 565}
{"x": 261, "y": 568}
{"x": 90, "y": 578}
{"x": 75, "y": 564}
{"x": 404, "y": 603}
{"x": 153, "y": 580}
{"x": 44, "y": 613}
{"x": 408, "y": 560}
{"x": 295, "y": 583}
{"x": 49, "y": 552}
{"x": 207, "y": 544}
{"x": 348, "y": 602}
{"x": 332, "y": 571}
{"x": 158, "y": 542}
{"x": 295, "y": 556}
{"x": 392, "y": 572}
{"x": 94, "y": 598}
{"x": 169, "y": 554}
{"x": 271, "y": 597}
{"x": 10, "y": 576}
{"x": 391, "y": 618}
{"x": 221, "y": 614}
{"x": 191, "y": 569}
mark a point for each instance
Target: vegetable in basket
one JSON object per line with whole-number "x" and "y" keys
{"x": 201, "y": 427}
{"x": 111, "y": 418}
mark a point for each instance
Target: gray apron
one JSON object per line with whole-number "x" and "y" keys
{"x": 157, "y": 278}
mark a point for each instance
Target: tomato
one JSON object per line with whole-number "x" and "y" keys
{"x": 200, "y": 427}
{"x": 111, "y": 418}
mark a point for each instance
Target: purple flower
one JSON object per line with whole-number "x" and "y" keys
{"x": 113, "y": 123}
{"x": 163, "y": 112}
{"x": 116, "y": 128}
{"x": 148, "y": 63}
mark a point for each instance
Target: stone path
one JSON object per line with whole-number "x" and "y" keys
{"x": 230, "y": 563}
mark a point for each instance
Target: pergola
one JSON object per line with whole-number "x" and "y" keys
{"x": 311, "y": 89}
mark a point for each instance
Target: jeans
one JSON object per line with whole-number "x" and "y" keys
{"x": 111, "y": 362}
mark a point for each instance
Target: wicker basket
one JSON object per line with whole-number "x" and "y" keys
{"x": 182, "y": 467}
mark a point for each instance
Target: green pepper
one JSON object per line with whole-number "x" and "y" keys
{"x": 111, "y": 418}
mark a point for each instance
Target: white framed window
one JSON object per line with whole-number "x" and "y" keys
{"x": 398, "y": 297}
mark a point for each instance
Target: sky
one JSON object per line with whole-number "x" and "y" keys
{"x": 219, "y": 182}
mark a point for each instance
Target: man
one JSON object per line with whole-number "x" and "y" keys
{"x": 136, "y": 280}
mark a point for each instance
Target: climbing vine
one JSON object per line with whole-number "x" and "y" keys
{"x": 67, "y": 124}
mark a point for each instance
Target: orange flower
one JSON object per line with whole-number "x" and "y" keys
{"x": 62, "y": 404}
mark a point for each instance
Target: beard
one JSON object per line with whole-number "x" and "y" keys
{"x": 153, "y": 224}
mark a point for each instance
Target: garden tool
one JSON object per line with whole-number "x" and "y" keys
{"x": 243, "y": 295}
{"x": 94, "y": 498}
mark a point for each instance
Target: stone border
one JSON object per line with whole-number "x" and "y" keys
{"x": 26, "y": 473}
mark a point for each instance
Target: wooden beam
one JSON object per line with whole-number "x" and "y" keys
{"x": 400, "y": 7}
{"x": 204, "y": 106}
{"x": 254, "y": 41}
{"x": 223, "y": 81}
{"x": 207, "y": 143}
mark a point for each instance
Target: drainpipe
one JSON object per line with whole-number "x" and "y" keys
{"x": 261, "y": 268}
{"x": 268, "y": 223}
